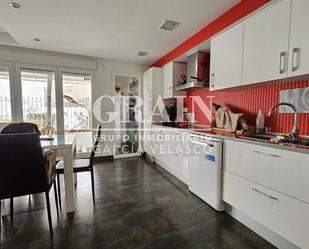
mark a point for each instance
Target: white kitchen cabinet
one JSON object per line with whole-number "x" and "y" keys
{"x": 157, "y": 138}
{"x": 152, "y": 86}
{"x": 284, "y": 171}
{"x": 269, "y": 185}
{"x": 170, "y": 153}
{"x": 171, "y": 75}
{"x": 280, "y": 213}
{"x": 299, "y": 39}
{"x": 226, "y": 58}
{"x": 272, "y": 44}
{"x": 266, "y": 43}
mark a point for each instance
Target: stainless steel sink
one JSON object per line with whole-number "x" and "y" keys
{"x": 268, "y": 137}
{"x": 260, "y": 136}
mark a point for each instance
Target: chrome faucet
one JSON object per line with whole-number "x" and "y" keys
{"x": 294, "y": 132}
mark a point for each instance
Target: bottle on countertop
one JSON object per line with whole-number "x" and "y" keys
{"x": 260, "y": 122}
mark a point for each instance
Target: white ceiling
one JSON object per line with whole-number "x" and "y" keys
{"x": 110, "y": 29}
{"x": 2, "y": 30}
{"x": 6, "y": 38}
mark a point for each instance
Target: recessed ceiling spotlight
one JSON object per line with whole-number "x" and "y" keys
{"x": 37, "y": 39}
{"x": 15, "y": 5}
{"x": 142, "y": 53}
{"x": 169, "y": 25}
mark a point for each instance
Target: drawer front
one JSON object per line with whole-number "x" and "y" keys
{"x": 281, "y": 170}
{"x": 282, "y": 214}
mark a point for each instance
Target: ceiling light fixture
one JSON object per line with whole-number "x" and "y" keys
{"x": 169, "y": 25}
{"x": 37, "y": 39}
{"x": 142, "y": 53}
{"x": 15, "y": 5}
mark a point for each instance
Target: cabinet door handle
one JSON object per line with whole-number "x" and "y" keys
{"x": 295, "y": 59}
{"x": 267, "y": 195}
{"x": 212, "y": 80}
{"x": 266, "y": 154}
{"x": 282, "y": 64}
{"x": 202, "y": 143}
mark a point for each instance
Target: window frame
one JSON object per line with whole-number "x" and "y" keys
{"x": 10, "y": 68}
{"x": 18, "y": 86}
{"x": 15, "y": 69}
{"x": 77, "y": 72}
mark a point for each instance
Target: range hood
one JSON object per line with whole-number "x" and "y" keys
{"x": 197, "y": 72}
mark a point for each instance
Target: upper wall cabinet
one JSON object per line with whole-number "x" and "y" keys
{"x": 266, "y": 43}
{"x": 299, "y": 38}
{"x": 269, "y": 45}
{"x": 171, "y": 75}
{"x": 226, "y": 58}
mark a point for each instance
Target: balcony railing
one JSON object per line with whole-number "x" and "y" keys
{"x": 5, "y": 110}
{"x": 76, "y": 119}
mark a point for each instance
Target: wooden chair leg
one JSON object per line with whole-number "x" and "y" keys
{"x": 56, "y": 197}
{"x": 92, "y": 184}
{"x": 49, "y": 214}
{"x": 59, "y": 191}
{"x": 11, "y": 210}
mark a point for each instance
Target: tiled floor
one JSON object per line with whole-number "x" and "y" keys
{"x": 138, "y": 205}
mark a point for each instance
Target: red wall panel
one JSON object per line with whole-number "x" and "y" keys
{"x": 250, "y": 99}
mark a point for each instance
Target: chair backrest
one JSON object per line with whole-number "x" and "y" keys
{"x": 3, "y": 125}
{"x": 99, "y": 130}
{"x": 95, "y": 144}
{"x": 22, "y": 127}
{"x": 22, "y": 169}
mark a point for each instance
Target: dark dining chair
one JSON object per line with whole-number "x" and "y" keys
{"x": 22, "y": 127}
{"x": 18, "y": 128}
{"x": 82, "y": 165}
{"x": 25, "y": 169}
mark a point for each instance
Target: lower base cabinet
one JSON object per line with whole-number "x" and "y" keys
{"x": 256, "y": 182}
{"x": 168, "y": 147}
{"x": 280, "y": 213}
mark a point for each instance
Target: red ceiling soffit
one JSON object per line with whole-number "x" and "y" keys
{"x": 237, "y": 12}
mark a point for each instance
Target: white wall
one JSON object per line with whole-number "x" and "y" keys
{"x": 103, "y": 69}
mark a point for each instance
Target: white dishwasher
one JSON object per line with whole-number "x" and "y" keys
{"x": 205, "y": 169}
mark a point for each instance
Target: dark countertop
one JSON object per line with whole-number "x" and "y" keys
{"x": 232, "y": 136}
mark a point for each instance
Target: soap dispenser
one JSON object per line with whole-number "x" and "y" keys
{"x": 260, "y": 122}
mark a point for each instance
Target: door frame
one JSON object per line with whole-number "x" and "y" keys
{"x": 18, "y": 86}
{"x": 10, "y": 67}
{"x": 140, "y": 94}
{"x": 64, "y": 70}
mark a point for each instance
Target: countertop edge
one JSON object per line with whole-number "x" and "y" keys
{"x": 243, "y": 140}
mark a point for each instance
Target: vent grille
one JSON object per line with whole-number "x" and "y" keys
{"x": 142, "y": 53}
{"x": 169, "y": 25}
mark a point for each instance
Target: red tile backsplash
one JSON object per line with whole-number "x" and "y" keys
{"x": 252, "y": 98}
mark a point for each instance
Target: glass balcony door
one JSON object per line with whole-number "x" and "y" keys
{"x": 39, "y": 99}
{"x": 77, "y": 108}
{"x": 6, "y": 96}
{"x": 58, "y": 101}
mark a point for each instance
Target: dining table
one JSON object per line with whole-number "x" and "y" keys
{"x": 65, "y": 147}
